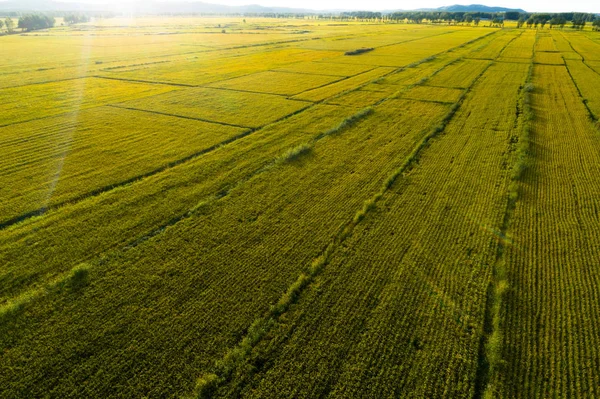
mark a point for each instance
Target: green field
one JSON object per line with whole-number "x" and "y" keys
{"x": 256, "y": 214}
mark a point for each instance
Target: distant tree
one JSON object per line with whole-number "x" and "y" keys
{"x": 468, "y": 19}
{"x": 497, "y": 21}
{"x": 76, "y": 18}
{"x": 477, "y": 21}
{"x": 512, "y": 15}
{"x": 520, "y": 22}
{"x": 31, "y": 22}
{"x": 1, "y": 24}
{"x": 529, "y": 22}
{"x": 596, "y": 25}
{"x": 543, "y": 23}
{"x": 10, "y": 25}
{"x": 562, "y": 23}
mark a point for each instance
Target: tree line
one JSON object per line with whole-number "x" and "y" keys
{"x": 578, "y": 20}
{"x": 30, "y": 22}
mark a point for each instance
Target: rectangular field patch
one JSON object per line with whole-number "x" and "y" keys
{"x": 61, "y": 158}
{"x": 35, "y": 101}
{"x": 548, "y": 59}
{"x": 287, "y": 83}
{"x": 359, "y": 98}
{"x": 434, "y": 94}
{"x": 354, "y": 82}
{"x": 461, "y": 74}
{"x": 220, "y": 106}
{"x": 326, "y": 68}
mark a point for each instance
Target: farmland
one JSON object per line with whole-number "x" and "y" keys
{"x": 218, "y": 207}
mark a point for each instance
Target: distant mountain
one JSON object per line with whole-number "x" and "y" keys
{"x": 477, "y": 8}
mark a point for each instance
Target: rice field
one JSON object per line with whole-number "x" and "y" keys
{"x": 255, "y": 214}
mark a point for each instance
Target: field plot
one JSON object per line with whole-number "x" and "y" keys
{"x": 552, "y": 309}
{"x": 588, "y": 82}
{"x": 584, "y": 45}
{"x": 221, "y": 106}
{"x": 489, "y": 51}
{"x": 277, "y": 82}
{"x": 360, "y": 98}
{"x": 38, "y": 101}
{"x": 124, "y": 216}
{"x": 367, "y": 329}
{"x": 548, "y": 58}
{"x": 232, "y": 207}
{"x": 326, "y": 68}
{"x": 429, "y": 93}
{"x": 545, "y": 42}
{"x": 406, "y": 53}
{"x": 201, "y": 68}
{"x": 346, "y": 161}
{"x": 327, "y": 91}
{"x": 520, "y": 49}
{"x": 57, "y": 159}
{"x": 460, "y": 75}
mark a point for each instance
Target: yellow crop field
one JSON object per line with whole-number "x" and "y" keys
{"x": 330, "y": 90}
{"x": 549, "y": 58}
{"x": 588, "y": 82}
{"x": 221, "y": 106}
{"x": 459, "y": 75}
{"x": 307, "y": 205}
{"x": 34, "y": 102}
{"x": 287, "y": 83}
{"x": 432, "y": 93}
{"x": 57, "y": 160}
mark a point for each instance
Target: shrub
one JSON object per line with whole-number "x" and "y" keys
{"x": 359, "y": 51}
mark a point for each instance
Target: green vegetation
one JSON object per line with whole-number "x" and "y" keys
{"x": 278, "y": 212}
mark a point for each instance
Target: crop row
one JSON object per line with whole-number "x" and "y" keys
{"x": 220, "y": 268}
{"x": 37, "y": 101}
{"x": 521, "y": 49}
{"x": 113, "y": 220}
{"x": 551, "y": 312}
{"x": 588, "y": 82}
{"x": 201, "y": 69}
{"x": 399, "y": 309}
{"x": 56, "y": 160}
{"x": 221, "y": 106}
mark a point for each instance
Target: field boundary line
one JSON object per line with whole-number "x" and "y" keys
{"x": 318, "y": 74}
{"x": 45, "y": 82}
{"x": 285, "y": 96}
{"x": 117, "y": 105}
{"x": 143, "y": 81}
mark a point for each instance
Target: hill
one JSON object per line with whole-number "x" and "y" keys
{"x": 477, "y": 8}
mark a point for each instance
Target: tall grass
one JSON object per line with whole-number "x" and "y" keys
{"x": 294, "y": 153}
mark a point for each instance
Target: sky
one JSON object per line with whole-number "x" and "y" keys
{"x": 527, "y": 5}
